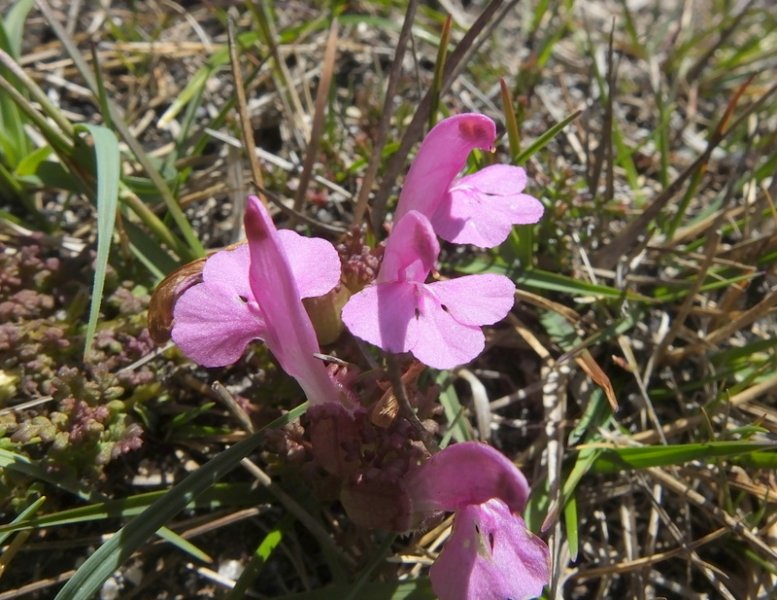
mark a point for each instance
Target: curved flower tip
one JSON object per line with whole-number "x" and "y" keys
{"x": 438, "y": 322}
{"x": 442, "y": 154}
{"x": 465, "y": 474}
{"x": 216, "y": 319}
{"x": 290, "y": 334}
{"x": 490, "y": 555}
{"x": 481, "y": 208}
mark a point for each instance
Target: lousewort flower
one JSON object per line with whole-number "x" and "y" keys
{"x": 440, "y": 322}
{"x": 491, "y": 555}
{"x": 254, "y": 292}
{"x": 478, "y": 209}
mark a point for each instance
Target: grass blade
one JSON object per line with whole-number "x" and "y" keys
{"x": 545, "y": 138}
{"x": 254, "y": 566}
{"x": 27, "y": 513}
{"x": 108, "y": 163}
{"x": 618, "y": 459}
{"x": 98, "y": 567}
{"x": 21, "y": 464}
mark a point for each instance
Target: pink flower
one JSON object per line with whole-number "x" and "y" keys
{"x": 490, "y": 555}
{"x": 478, "y": 209}
{"x": 481, "y": 208}
{"x": 254, "y": 292}
{"x": 442, "y": 156}
{"x": 438, "y": 322}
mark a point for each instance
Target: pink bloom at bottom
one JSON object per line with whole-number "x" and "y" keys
{"x": 491, "y": 555}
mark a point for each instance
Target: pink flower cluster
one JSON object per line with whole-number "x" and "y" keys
{"x": 255, "y": 292}
{"x": 439, "y": 323}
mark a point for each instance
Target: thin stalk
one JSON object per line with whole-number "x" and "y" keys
{"x": 439, "y": 67}
{"x": 388, "y": 110}
{"x": 245, "y": 118}
{"x": 38, "y": 94}
{"x": 322, "y": 94}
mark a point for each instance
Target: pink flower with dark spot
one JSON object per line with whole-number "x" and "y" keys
{"x": 491, "y": 554}
{"x": 254, "y": 292}
{"x": 440, "y": 322}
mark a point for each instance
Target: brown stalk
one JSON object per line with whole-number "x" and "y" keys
{"x": 322, "y": 94}
{"x": 695, "y": 70}
{"x": 745, "y": 319}
{"x": 250, "y": 144}
{"x": 651, "y": 436}
{"x": 245, "y": 117}
{"x": 710, "y": 247}
{"x": 388, "y": 111}
{"x": 639, "y": 563}
{"x": 731, "y": 523}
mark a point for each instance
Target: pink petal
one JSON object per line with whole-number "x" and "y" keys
{"x": 215, "y": 320}
{"x": 496, "y": 180}
{"x": 411, "y": 250}
{"x": 440, "y": 340}
{"x": 229, "y": 269}
{"x": 314, "y": 263}
{"x": 476, "y": 299}
{"x": 380, "y": 314}
{"x": 442, "y": 155}
{"x": 481, "y": 208}
{"x": 490, "y": 555}
{"x": 213, "y": 325}
{"x": 406, "y": 317}
{"x": 463, "y": 474}
{"x": 290, "y": 335}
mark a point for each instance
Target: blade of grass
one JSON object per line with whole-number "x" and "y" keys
{"x": 378, "y": 557}
{"x": 254, "y": 566}
{"x": 245, "y": 122}
{"x": 183, "y": 544}
{"x": 545, "y": 138}
{"x": 14, "y": 25}
{"x": 287, "y": 91}
{"x": 22, "y": 464}
{"x": 521, "y": 239}
{"x": 108, "y": 163}
{"x": 471, "y": 41}
{"x": 454, "y": 411}
{"x": 88, "y": 579}
{"x": 439, "y": 68}
{"x": 25, "y": 515}
{"x": 572, "y": 524}
{"x": 319, "y": 116}
{"x": 628, "y": 237}
{"x": 220, "y": 495}
{"x": 511, "y": 124}
{"x": 418, "y": 589}
{"x": 612, "y": 460}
